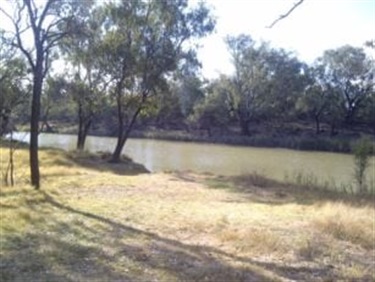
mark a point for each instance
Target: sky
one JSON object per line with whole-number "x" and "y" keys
{"x": 312, "y": 28}
{"x": 315, "y": 26}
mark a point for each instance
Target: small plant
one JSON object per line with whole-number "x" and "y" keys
{"x": 362, "y": 151}
{"x": 8, "y": 173}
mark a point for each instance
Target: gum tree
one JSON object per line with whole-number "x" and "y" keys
{"x": 265, "y": 82}
{"x": 87, "y": 83}
{"x": 44, "y": 24}
{"x": 145, "y": 42}
{"x": 349, "y": 72}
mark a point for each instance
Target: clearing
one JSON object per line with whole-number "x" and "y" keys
{"x": 94, "y": 221}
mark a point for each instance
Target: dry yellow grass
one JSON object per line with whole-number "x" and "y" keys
{"x": 95, "y": 223}
{"x": 347, "y": 223}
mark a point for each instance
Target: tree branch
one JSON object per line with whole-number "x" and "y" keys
{"x": 32, "y": 15}
{"x": 286, "y": 14}
{"x": 18, "y": 32}
{"x": 53, "y": 39}
{"x": 44, "y": 13}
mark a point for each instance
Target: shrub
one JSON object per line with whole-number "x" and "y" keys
{"x": 362, "y": 150}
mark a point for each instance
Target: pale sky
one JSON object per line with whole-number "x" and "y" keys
{"x": 315, "y": 26}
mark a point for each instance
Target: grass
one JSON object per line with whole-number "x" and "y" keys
{"x": 101, "y": 223}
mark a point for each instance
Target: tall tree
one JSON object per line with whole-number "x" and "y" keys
{"x": 320, "y": 101}
{"x": 213, "y": 111}
{"x": 88, "y": 83}
{"x": 350, "y": 72}
{"x": 146, "y": 42}
{"x": 13, "y": 87}
{"x": 54, "y": 101}
{"x": 189, "y": 90}
{"x": 247, "y": 84}
{"x": 314, "y": 101}
{"x": 46, "y": 22}
{"x": 265, "y": 81}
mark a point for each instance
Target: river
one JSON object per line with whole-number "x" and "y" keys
{"x": 158, "y": 155}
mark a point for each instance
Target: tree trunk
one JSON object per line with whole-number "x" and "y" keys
{"x": 117, "y": 152}
{"x": 244, "y": 127}
{"x": 124, "y": 134}
{"x": 34, "y": 124}
{"x": 333, "y": 129}
{"x": 82, "y": 134}
{"x": 119, "y": 146}
{"x": 84, "y": 125}
{"x": 317, "y": 123}
{"x": 80, "y": 128}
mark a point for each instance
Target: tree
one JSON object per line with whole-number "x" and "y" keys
{"x": 164, "y": 110}
{"x": 350, "y": 73}
{"x": 318, "y": 98}
{"x": 46, "y": 23}
{"x": 367, "y": 113}
{"x": 247, "y": 84}
{"x": 266, "y": 81}
{"x": 288, "y": 79}
{"x": 362, "y": 152}
{"x": 88, "y": 84}
{"x": 189, "y": 90}
{"x": 53, "y": 99}
{"x": 13, "y": 86}
{"x": 145, "y": 44}
{"x": 213, "y": 110}
{"x": 88, "y": 97}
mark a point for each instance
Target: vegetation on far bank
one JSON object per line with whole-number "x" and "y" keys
{"x": 99, "y": 221}
{"x": 300, "y": 138}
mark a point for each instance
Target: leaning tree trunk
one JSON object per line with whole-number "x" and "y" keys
{"x": 82, "y": 134}
{"x": 123, "y": 134}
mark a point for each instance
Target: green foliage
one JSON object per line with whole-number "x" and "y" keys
{"x": 56, "y": 103}
{"x": 213, "y": 111}
{"x": 13, "y": 87}
{"x": 349, "y": 73}
{"x": 266, "y": 81}
{"x": 144, "y": 42}
{"x": 362, "y": 151}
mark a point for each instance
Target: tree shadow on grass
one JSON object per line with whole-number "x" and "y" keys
{"x": 100, "y": 162}
{"x": 68, "y": 244}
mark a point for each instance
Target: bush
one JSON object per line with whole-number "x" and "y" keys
{"x": 362, "y": 150}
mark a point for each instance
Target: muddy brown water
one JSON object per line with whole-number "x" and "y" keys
{"x": 159, "y": 155}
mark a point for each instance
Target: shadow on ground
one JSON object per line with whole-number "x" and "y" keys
{"x": 68, "y": 244}
{"x": 100, "y": 162}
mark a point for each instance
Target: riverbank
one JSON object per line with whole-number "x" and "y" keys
{"x": 298, "y": 138}
{"x": 93, "y": 222}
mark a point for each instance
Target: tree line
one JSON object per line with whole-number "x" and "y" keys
{"x": 125, "y": 49}
{"x": 129, "y": 64}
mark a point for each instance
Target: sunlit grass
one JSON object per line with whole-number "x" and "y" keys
{"x": 95, "y": 223}
{"x": 347, "y": 223}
